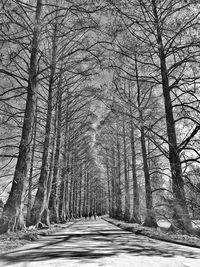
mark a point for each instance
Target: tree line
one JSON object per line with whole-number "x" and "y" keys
{"x": 100, "y": 111}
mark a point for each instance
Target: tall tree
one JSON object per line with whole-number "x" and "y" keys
{"x": 40, "y": 198}
{"x": 12, "y": 217}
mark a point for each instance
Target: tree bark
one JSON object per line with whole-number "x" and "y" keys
{"x": 30, "y": 180}
{"x": 127, "y": 192}
{"x": 64, "y": 196}
{"x": 46, "y": 214}
{"x": 113, "y": 184}
{"x": 181, "y": 217}
{"x": 54, "y": 200}
{"x": 80, "y": 194}
{"x": 150, "y": 219}
{"x": 40, "y": 197}
{"x": 12, "y": 217}
{"x": 118, "y": 181}
{"x": 109, "y": 186}
{"x": 136, "y": 200}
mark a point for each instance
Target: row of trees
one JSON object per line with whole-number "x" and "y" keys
{"x": 153, "y": 125}
{"x": 46, "y": 65}
{"x": 139, "y": 149}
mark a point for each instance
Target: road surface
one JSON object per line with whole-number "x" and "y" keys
{"x": 98, "y": 243}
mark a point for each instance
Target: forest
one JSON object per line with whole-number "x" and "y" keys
{"x": 99, "y": 111}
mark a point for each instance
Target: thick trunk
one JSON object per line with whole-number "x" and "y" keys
{"x": 30, "y": 181}
{"x": 40, "y": 198}
{"x": 180, "y": 214}
{"x": 181, "y": 218}
{"x": 12, "y": 217}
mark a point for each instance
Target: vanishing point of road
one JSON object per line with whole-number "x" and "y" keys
{"x": 98, "y": 243}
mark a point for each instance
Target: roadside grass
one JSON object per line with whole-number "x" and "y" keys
{"x": 160, "y": 233}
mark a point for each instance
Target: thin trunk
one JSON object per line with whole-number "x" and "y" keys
{"x": 80, "y": 194}
{"x": 136, "y": 200}
{"x": 12, "y": 217}
{"x": 113, "y": 184}
{"x": 71, "y": 190}
{"x": 84, "y": 194}
{"x": 64, "y": 211}
{"x": 118, "y": 181}
{"x": 109, "y": 186}
{"x": 91, "y": 196}
{"x": 87, "y": 194}
{"x": 53, "y": 201}
{"x": 127, "y": 192}
{"x": 45, "y": 215}
{"x": 150, "y": 219}
{"x": 75, "y": 193}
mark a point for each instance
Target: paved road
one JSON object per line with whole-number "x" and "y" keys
{"x": 98, "y": 243}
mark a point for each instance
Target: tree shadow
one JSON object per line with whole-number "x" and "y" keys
{"x": 95, "y": 243}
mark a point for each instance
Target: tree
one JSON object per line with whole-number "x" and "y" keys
{"x": 12, "y": 217}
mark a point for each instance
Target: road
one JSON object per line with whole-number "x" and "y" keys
{"x": 98, "y": 243}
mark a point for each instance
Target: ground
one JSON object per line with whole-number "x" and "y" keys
{"x": 98, "y": 243}
{"x": 13, "y": 240}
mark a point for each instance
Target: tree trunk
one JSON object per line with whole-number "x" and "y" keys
{"x": 85, "y": 194}
{"x": 71, "y": 190}
{"x": 109, "y": 186}
{"x": 40, "y": 197}
{"x": 30, "y": 181}
{"x": 46, "y": 214}
{"x": 12, "y": 217}
{"x": 75, "y": 191}
{"x": 64, "y": 195}
{"x": 136, "y": 200}
{"x": 150, "y": 219}
{"x": 181, "y": 217}
{"x": 118, "y": 181}
{"x": 113, "y": 184}
{"x": 53, "y": 201}
{"x": 80, "y": 194}
{"x": 127, "y": 192}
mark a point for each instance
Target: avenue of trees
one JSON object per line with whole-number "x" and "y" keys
{"x": 99, "y": 111}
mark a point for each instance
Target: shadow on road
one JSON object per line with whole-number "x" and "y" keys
{"x": 92, "y": 243}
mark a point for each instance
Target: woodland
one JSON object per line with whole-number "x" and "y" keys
{"x": 99, "y": 111}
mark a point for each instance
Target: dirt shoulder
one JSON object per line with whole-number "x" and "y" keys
{"x": 13, "y": 240}
{"x": 176, "y": 238}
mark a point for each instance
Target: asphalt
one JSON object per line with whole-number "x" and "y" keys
{"x": 98, "y": 243}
